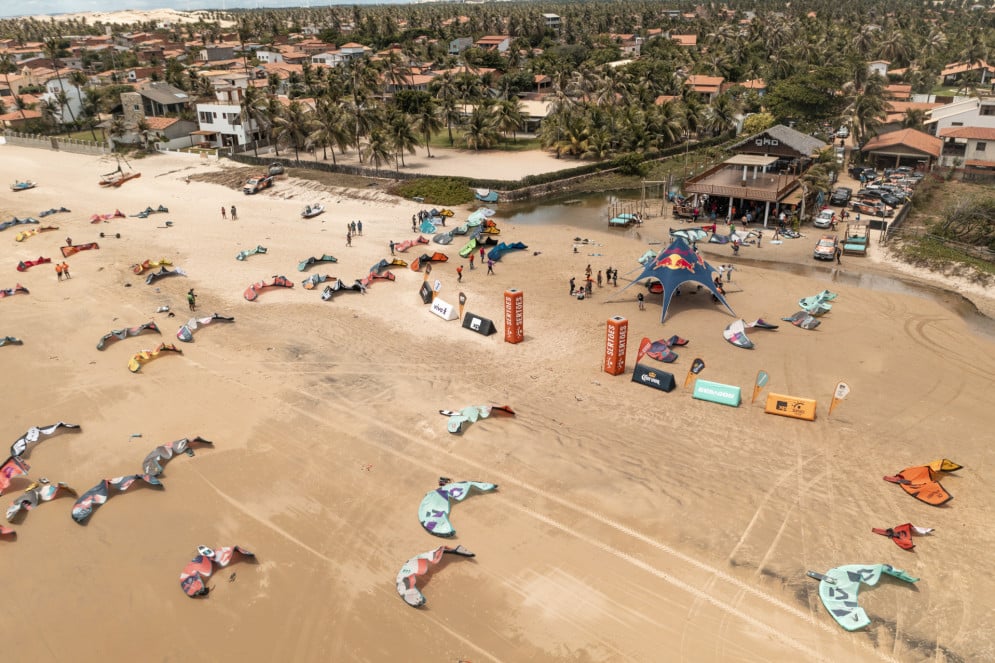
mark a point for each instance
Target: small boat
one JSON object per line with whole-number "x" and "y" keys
{"x": 624, "y": 220}
{"x": 117, "y": 179}
{"x": 312, "y": 211}
{"x": 23, "y": 186}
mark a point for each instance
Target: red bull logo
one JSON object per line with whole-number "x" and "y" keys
{"x": 674, "y": 261}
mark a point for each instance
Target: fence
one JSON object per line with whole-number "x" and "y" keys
{"x": 59, "y": 143}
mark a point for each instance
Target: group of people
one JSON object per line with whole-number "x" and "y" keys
{"x": 62, "y": 269}
{"x": 416, "y": 219}
{"x": 356, "y": 228}
{"x": 234, "y": 213}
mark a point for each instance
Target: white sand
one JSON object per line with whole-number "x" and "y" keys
{"x": 630, "y": 525}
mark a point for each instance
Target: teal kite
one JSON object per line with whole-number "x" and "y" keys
{"x": 838, "y": 590}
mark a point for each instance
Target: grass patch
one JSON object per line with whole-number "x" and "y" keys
{"x": 504, "y": 144}
{"x": 447, "y": 191}
{"x": 933, "y": 254}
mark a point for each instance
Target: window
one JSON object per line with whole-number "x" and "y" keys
{"x": 987, "y": 110}
{"x": 956, "y": 124}
{"x": 135, "y": 107}
{"x": 980, "y": 147}
{"x": 204, "y": 117}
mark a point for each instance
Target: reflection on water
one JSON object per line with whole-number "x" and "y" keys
{"x": 591, "y": 212}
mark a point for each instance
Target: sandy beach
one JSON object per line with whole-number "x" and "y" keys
{"x": 630, "y": 524}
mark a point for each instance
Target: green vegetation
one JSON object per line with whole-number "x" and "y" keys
{"x": 933, "y": 253}
{"x": 447, "y": 191}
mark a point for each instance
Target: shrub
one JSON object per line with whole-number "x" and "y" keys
{"x": 437, "y": 190}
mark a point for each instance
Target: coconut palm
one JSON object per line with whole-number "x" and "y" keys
{"x": 7, "y": 67}
{"x": 330, "y": 128}
{"x": 481, "y": 129}
{"x": 53, "y": 49}
{"x": 253, "y": 109}
{"x": 78, "y": 80}
{"x": 293, "y": 125}
{"x": 402, "y": 135}
{"x": 427, "y": 122}
{"x": 117, "y": 130}
{"x": 377, "y": 148}
{"x": 509, "y": 116}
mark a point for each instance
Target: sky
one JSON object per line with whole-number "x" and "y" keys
{"x": 34, "y": 7}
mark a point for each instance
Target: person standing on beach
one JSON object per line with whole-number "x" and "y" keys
{"x": 838, "y": 253}
{"x": 472, "y": 256}
{"x": 615, "y": 278}
{"x": 359, "y": 228}
{"x": 348, "y": 239}
{"x": 642, "y": 303}
{"x": 65, "y": 269}
{"x": 414, "y": 223}
{"x": 191, "y": 300}
{"x": 760, "y": 237}
{"x": 58, "y": 270}
{"x": 224, "y": 216}
{"x": 234, "y": 213}
{"x": 459, "y": 274}
{"x": 391, "y": 247}
{"x": 481, "y": 254}
{"x": 490, "y": 266}
{"x": 573, "y": 285}
{"x": 69, "y": 241}
{"x": 587, "y": 271}
{"x": 599, "y": 278}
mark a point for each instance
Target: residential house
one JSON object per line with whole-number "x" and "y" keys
{"x": 19, "y": 119}
{"x": 630, "y": 45}
{"x": 968, "y": 146}
{"x": 906, "y": 147}
{"x": 898, "y": 92}
{"x": 460, "y": 44}
{"x": 707, "y": 87}
{"x": 170, "y": 132}
{"x": 686, "y": 41}
{"x": 74, "y": 98}
{"x": 499, "y": 43}
{"x": 955, "y": 71}
{"x": 216, "y": 52}
{"x": 895, "y": 113}
{"x": 329, "y": 59}
{"x": 968, "y": 112}
{"x": 552, "y": 21}
{"x": 154, "y": 100}
{"x": 268, "y": 57}
{"x": 879, "y": 67}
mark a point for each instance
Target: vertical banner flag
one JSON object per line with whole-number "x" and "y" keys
{"x": 762, "y": 379}
{"x": 514, "y": 316}
{"x": 842, "y": 391}
{"x": 616, "y": 339}
{"x": 436, "y": 288}
{"x": 462, "y": 304}
{"x": 697, "y": 366}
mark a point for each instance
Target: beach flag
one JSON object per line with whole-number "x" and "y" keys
{"x": 697, "y": 366}
{"x": 842, "y": 391}
{"x": 762, "y": 379}
{"x": 462, "y": 304}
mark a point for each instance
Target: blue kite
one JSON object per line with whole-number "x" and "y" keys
{"x": 675, "y": 265}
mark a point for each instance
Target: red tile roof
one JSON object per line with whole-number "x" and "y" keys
{"x": 978, "y": 133}
{"x": 911, "y": 138}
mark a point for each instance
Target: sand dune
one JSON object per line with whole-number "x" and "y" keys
{"x": 630, "y": 525}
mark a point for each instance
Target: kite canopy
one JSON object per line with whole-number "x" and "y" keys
{"x": 242, "y": 255}
{"x": 433, "y": 512}
{"x": 419, "y": 565}
{"x": 185, "y": 333}
{"x": 35, "y": 494}
{"x": 33, "y": 435}
{"x": 145, "y": 356}
{"x": 304, "y": 264}
{"x": 498, "y": 251}
{"x": 121, "y": 334}
{"x": 10, "y": 340}
{"x": 902, "y": 534}
{"x": 677, "y": 264}
{"x": 735, "y": 333}
{"x": 91, "y": 499}
{"x": 660, "y": 350}
{"x": 152, "y": 464}
{"x": 202, "y": 566}
{"x": 817, "y": 305}
{"x": 472, "y": 413}
{"x": 838, "y": 590}
{"x": 921, "y": 482}
{"x": 12, "y": 467}
{"x": 252, "y": 292}
{"x": 138, "y": 268}
{"x": 803, "y": 320}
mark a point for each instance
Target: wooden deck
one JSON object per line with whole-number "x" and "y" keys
{"x": 727, "y": 181}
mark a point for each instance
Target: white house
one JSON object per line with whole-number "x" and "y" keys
{"x": 221, "y": 123}
{"x": 966, "y": 112}
{"x": 879, "y": 67}
{"x": 269, "y": 56}
{"x": 552, "y": 21}
{"x": 329, "y": 59}
{"x": 74, "y": 98}
{"x": 968, "y": 146}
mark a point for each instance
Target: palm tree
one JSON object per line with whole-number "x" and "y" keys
{"x": 402, "y": 135}
{"x": 53, "y": 49}
{"x": 330, "y": 128}
{"x": 253, "y": 114}
{"x": 427, "y": 122}
{"x": 481, "y": 129}
{"x": 377, "y": 148}
{"x": 7, "y": 67}
{"x": 293, "y": 126}
{"x": 914, "y": 118}
{"x": 508, "y": 116}
{"x": 78, "y": 80}
{"x": 117, "y": 129}
{"x": 273, "y": 110}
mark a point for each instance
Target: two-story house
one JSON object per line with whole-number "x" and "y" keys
{"x": 221, "y": 123}
{"x": 968, "y": 146}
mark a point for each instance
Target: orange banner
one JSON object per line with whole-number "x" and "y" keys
{"x": 616, "y": 333}
{"x": 514, "y": 316}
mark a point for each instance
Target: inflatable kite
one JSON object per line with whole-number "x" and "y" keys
{"x": 91, "y": 499}
{"x": 17, "y": 222}
{"x": 10, "y": 340}
{"x": 433, "y": 512}
{"x": 838, "y": 590}
{"x": 25, "y": 265}
{"x": 676, "y": 265}
{"x": 375, "y": 276}
{"x": 660, "y": 350}
{"x": 145, "y": 356}
{"x": 10, "y": 292}
{"x": 759, "y": 323}
{"x": 252, "y": 292}
{"x": 338, "y": 286}
{"x": 478, "y": 217}
{"x": 427, "y": 226}
{"x": 152, "y": 465}
{"x": 803, "y": 320}
{"x": 162, "y": 274}
{"x": 426, "y": 258}
{"x": 315, "y": 279}
{"x": 902, "y": 534}
{"x": 149, "y": 264}
{"x": 242, "y": 255}
{"x": 419, "y": 565}
{"x": 35, "y": 494}
{"x": 817, "y": 305}
{"x": 24, "y": 234}
{"x": 457, "y": 418}
{"x": 76, "y": 248}
{"x": 691, "y": 235}
{"x": 144, "y": 214}
{"x": 12, "y": 467}
{"x": 33, "y": 435}
{"x": 498, "y": 251}
{"x": 185, "y": 332}
{"x": 51, "y": 211}
{"x": 408, "y": 243}
{"x": 444, "y": 238}
{"x": 6, "y": 531}
{"x": 921, "y": 482}
{"x": 735, "y": 333}
{"x": 202, "y": 566}
{"x": 121, "y": 334}
{"x": 116, "y": 214}
{"x": 384, "y": 264}
{"x": 304, "y": 264}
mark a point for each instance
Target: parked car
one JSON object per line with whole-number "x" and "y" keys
{"x": 825, "y": 248}
{"x": 257, "y": 184}
{"x": 891, "y": 200}
{"x": 825, "y": 219}
{"x": 841, "y": 196}
{"x": 843, "y": 132}
{"x": 871, "y": 207}
{"x": 868, "y": 173}
{"x": 276, "y": 168}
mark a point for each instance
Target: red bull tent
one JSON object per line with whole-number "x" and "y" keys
{"x": 675, "y": 265}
